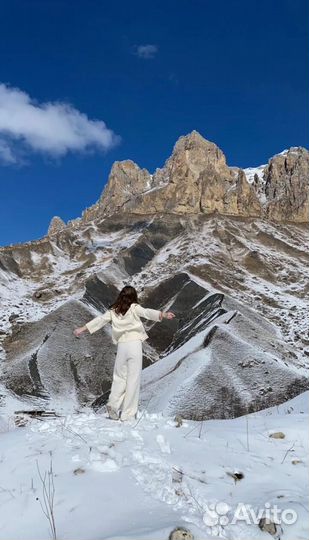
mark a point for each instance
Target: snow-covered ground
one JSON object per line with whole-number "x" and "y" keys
{"x": 140, "y": 480}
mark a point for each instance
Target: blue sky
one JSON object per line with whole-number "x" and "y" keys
{"x": 235, "y": 70}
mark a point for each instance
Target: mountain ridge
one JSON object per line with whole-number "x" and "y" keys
{"x": 197, "y": 179}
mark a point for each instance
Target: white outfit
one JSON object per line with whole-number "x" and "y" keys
{"x": 125, "y": 327}
{"x": 128, "y": 332}
{"x": 126, "y": 378}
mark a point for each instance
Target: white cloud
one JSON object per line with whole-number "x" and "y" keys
{"x": 6, "y": 154}
{"x": 52, "y": 128}
{"x": 146, "y": 51}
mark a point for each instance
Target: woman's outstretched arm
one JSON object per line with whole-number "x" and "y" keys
{"x": 95, "y": 324}
{"x": 153, "y": 314}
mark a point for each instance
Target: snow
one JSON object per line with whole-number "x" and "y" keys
{"x": 250, "y": 172}
{"x": 141, "y": 479}
{"x": 292, "y": 150}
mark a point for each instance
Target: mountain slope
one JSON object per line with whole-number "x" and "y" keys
{"x": 203, "y": 268}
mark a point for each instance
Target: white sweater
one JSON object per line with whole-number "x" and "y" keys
{"x": 125, "y": 327}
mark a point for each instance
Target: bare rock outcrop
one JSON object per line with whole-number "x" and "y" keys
{"x": 125, "y": 183}
{"x": 287, "y": 186}
{"x": 197, "y": 180}
{"x": 56, "y": 225}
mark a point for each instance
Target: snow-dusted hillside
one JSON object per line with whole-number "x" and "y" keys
{"x": 259, "y": 263}
{"x": 258, "y": 269}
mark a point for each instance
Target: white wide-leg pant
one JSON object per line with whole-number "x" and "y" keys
{"x": 126, "y": 378}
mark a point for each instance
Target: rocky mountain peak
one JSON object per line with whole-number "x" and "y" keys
{"x": 126, "y": 170}
{"x": 194, "y": 144}
{"x": 192, "y": 156}
{"x": 126, "y": 180}
{"x": 286, "y": 180}
{"x": 55, "y": 225}
{"x": 196, "y": 179}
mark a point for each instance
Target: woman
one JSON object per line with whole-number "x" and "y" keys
{"x": 128, "y": 333}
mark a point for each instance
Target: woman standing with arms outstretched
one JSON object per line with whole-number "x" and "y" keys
{"x": 128, "y": 333}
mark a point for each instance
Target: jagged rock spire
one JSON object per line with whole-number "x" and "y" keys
{"x": 55, "y": 225}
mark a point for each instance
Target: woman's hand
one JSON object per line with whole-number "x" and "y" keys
{"x": 78, "y": 331}
{"x": 168, "y": 315}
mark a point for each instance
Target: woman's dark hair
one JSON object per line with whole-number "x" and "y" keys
{"x": 126, "y": 297}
